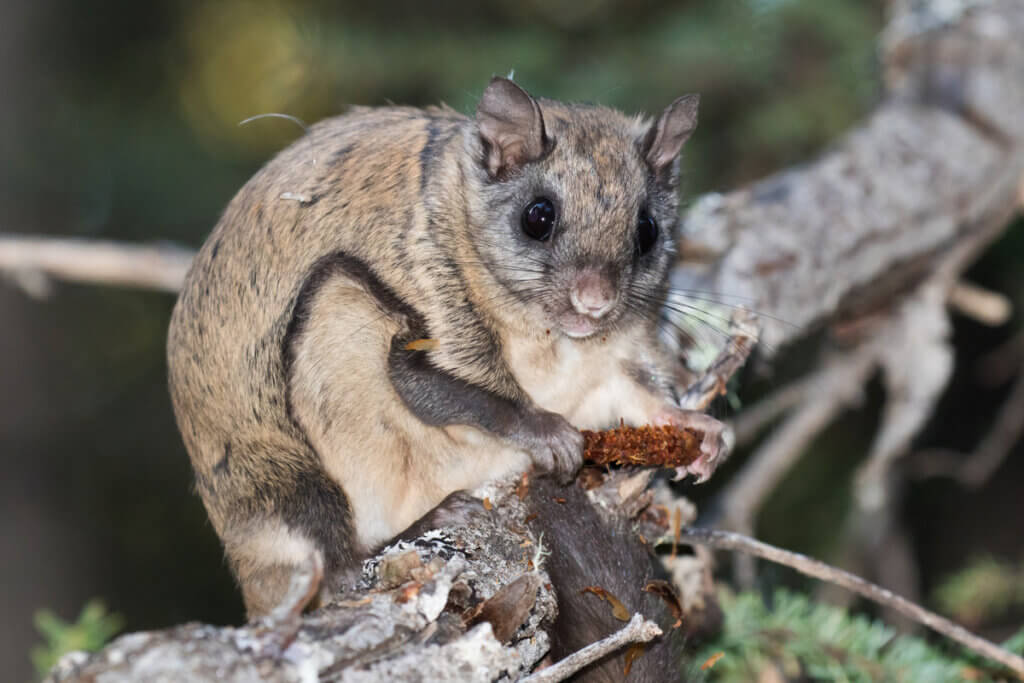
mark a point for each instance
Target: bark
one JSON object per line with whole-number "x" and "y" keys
{"x": 409, "y": 620}
{"x": 940, "y": 161}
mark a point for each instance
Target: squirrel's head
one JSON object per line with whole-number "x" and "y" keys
{"x": 575, "y": 209}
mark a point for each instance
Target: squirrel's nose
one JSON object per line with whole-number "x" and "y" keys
{"x": 592, "y": 294}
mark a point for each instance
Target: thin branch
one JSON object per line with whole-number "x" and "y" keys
{"x": 830, "y": 390}
{"x": 638, "y": 630}
{"x": 161, "y": 267}
{"x": 974, "y": 470}
{"x": 727, "y": 540}
{"x": 749, "y": 423}
{"x": 912, "y": 349}
{"x": 1003, "y": 362}
{"x": 997, "y": 444}
{"x": 980, "y": 304}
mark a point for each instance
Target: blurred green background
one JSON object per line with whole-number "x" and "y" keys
{"x": 120, "y": 120}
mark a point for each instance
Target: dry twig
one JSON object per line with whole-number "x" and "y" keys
{"x": 749, "y": 423}
{"x": 974, "y": 469}
{"x": 727, "y": 540}
{"x": 1002, "y": 363}
{"x": 980, "y": 304}
{"x": 638, "y": 630}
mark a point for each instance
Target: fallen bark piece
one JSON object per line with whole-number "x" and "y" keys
{"x": 648, "y": 446}
{"x": 664, "y": 590}
{"x": 619, "y": 610}
{"x": 509, "y": 608}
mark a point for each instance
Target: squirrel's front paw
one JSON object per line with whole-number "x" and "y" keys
{"x": 554, "y": 445}
{"x": 713, "y": 448}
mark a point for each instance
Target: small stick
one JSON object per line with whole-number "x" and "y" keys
{"x": 754, "y": 418}
{"x": 728, "y": 540}
{"x": 984, "y": 306}
{"x": 638, "y": 630}
{"x": 975, "y": 469}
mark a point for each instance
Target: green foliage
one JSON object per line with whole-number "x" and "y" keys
{"x": 91, "y": 631}
{"x": 803, "y": 639}
{"x": 985, "y": 589}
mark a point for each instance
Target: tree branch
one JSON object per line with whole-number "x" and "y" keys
{"x": 160, "y": 267}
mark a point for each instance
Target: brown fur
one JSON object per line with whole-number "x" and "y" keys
{"x": 386, "y": 225}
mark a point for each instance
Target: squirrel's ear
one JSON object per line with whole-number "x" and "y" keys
{"x": 665, "y": 139}
{"x": 511, "y": 126}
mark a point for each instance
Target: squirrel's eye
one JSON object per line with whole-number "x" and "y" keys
{"x": 646, "y": 233}
{"x": 539, "y": 219}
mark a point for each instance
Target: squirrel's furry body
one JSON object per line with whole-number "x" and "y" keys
{"x": 311, "y": 426}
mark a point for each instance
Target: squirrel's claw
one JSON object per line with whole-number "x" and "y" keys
{"x": 714, "y": 446}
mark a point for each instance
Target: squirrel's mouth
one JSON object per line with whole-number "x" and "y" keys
{"x": 578, "y": 326}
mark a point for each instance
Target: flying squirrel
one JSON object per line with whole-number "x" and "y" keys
{"x": 531, "y": 242}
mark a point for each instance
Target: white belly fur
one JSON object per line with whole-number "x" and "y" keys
{"x": 583, "y": 381}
